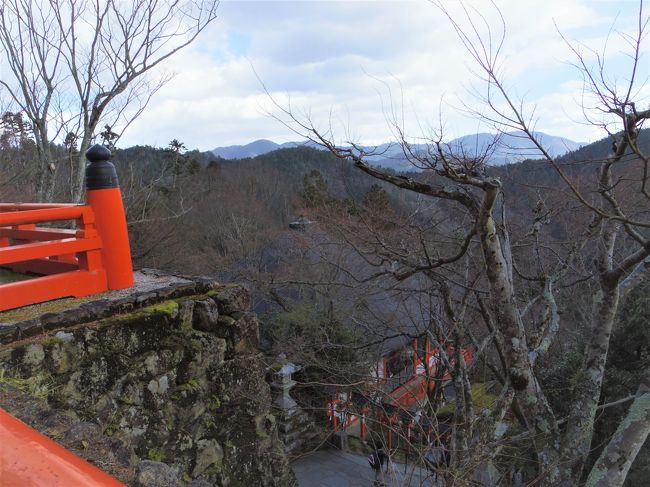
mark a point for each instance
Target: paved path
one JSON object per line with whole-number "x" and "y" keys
{"x": 333, "y": 468}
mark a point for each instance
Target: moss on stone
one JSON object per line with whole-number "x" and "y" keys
{"x": 219, "y": 288}
{"x": 155, "y": 454}
{"x": 214, "y": 404}
{"x": 51, "y": 340}
{"x": 186, "y": 311}
{"x": 192, "y": 385}
{"x": 168, "y": 308}
{"x": 164, "y": 389}
{"x": 226, "y": 321}
{"x": 33, "y": 355}
{"x": 261, "y": 426}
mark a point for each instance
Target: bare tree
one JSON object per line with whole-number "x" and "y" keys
{"x": 517, "y": 288}
{"x": 74, "y": 66}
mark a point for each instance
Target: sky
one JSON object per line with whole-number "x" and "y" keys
{"x": 355, "y": 65}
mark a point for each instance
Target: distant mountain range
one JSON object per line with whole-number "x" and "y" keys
{"x": 256, "y": 148}
{"x": 510, "y": 147}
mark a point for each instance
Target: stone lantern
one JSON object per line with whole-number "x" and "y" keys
{"x": 281, "y": 385}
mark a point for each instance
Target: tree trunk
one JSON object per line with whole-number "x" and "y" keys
{"x": 616, "y": 459}
{"x": 47, "y": 168}
{"x": 528, "y": 393}
{"x": 580, "y": 424}
{"x": 79, "y": 180}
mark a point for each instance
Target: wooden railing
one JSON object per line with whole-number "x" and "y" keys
{"x": 91, "y": 258}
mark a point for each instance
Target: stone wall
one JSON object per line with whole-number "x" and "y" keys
{"x": 166, "y": 388}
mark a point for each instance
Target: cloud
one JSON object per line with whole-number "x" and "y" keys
{"x": 349, "y": 58}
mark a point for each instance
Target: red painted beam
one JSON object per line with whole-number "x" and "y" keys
{"x": 28, "y": 458}
{"x": 38, "y": 250}
{"x": 46, "y": 214}
{"x": 67, "y": 284}
{"x": 33, "y": 206}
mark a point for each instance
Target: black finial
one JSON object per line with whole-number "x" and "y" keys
{"x": 98, "y": 153}
{"x": 100, "y": 173}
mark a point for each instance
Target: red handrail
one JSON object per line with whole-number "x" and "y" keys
{"x": 91, "y": 259}
{"x": 15, "y": 215}
{"x": 28, "y": 458}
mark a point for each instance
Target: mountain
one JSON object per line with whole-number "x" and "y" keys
{"x": 507, "y": 148}
{"x": 257, "y": 148}
{"x": 513, "y": 146}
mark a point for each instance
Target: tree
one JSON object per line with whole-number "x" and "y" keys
{"x": 73, "y": 65}
{"x": 14, "y": 132}
{"x": 16, "y": 153}
{"x": 518, "y": 287}
{"x": 376, "y": 198}
{"x": 315, "y": 190}
{"x": 627, "y": 362}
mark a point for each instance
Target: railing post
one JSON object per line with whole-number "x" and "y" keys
{"x": 105, "y": 198}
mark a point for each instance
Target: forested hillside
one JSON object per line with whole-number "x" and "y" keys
{"x": 196, "y": 212}
{"x": 331, "y": 292}
{"x": 477, "y": 306}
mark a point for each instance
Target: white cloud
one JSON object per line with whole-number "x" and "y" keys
{"x": 335, "y": 55}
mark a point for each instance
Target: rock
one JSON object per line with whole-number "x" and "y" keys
{"x": 91, "y": 343}
{"x": 208, "y": 454}
{"x": 151, "y": 363}
{"x": 58, "y": 360}
{"x": 158, "y": 386}
{"x": 155, "y": 474}
{"x": 232, "y": 300}
{"x": 57, "y": 422}
{"x": 64, "y": 337}
{"x": 129, "y": 390}
{"x": 186, "y": 314}
{"x": 225, "y": 322}
{"x": 264, "y": 425}
{"x": 105, "y": 408}
{"x": 203, "y": 352}
{"x": 164, "y": 383}
{"x": 247, "y": 335}
{"x": 199, "y": 483}
{"x": 81, "y": 434}
{"x": 70, "y": 394}
{"x": 206, "y": 314}
{"x": 34, "y": 355}
{"x": 5, "y": 355}
{"x": 121, "y": 452}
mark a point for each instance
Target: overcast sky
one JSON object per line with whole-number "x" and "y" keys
{"x": 341, "y": 60}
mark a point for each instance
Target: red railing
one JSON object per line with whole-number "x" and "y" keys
{"x": 92, "y": 258}
{"x": 69, "y": 260}
{"x": 29, "y": 458}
